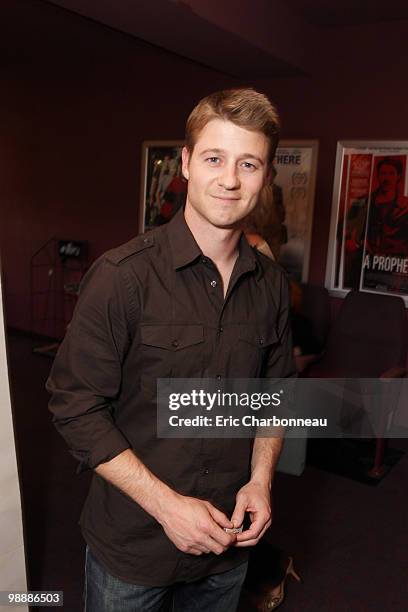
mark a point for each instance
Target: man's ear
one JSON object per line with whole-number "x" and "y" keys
{"x": 185, "y": 160}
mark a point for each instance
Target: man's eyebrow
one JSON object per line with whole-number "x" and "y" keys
{"x": 215, "y": 150}
{"x": 243, "y": 156}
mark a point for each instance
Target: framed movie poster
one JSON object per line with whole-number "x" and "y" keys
{"x": 163, "y": 187}
{"x": 294, "y": 184}
{"x": 164, "y": 192}
{"x": 368, "y": 243}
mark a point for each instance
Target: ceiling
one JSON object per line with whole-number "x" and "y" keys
{"x": 340, "y": 13}
{"x": 242, "y": 38}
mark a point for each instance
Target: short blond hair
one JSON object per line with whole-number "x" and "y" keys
{"x": 247, "y": 108}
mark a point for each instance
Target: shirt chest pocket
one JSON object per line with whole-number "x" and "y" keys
{"x": 172, "y": 351}
{"x": 253, "y": 350}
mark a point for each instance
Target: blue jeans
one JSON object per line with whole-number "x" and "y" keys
{"x": 215, "y": 593}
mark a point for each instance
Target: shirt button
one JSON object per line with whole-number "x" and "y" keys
{"x": 204, "y": 260}
{"x": 206, "y": 471}
{"x": 220, "y": 329}
{"x": 213, "y": 283}
{"x": 218, "y": 377}
{"x": 175, "y": 343}
{"x": 261, "y": 340}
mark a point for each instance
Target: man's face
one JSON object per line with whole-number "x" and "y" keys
{"x": 388, "y": 178}
{"x": 226, "y": 171}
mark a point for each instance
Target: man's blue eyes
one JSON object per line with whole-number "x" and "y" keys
{"x": 217, "y": 160}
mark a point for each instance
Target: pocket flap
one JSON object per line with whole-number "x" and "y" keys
{"x": 172, "y": 337}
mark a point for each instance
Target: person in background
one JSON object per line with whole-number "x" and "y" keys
{"x": 387, "y": 227}
{"x": 268, "y": 218}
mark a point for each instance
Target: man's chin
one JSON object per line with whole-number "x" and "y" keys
{"x": 221, "y": 220}
{"x": 232, "y": 224}
{"x": 228, "y": 221}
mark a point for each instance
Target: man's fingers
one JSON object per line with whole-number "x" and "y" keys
{"x": 250, "y": 537}
{"x": 195, "y": 550}
{"x": 209, "y": 544}
{"x": 206, "y": 544}
{"x": 248, "y": 534}
{"x": 239, "y": 512}
{"x": 253, "y": 532}
{"x": 252, "y": 542}
{"x": 198, "y": 549}
{"x": 222, "y": 538}
{"x": 219, "y": 517}
{"x": 218, "y": 548}
{"x": 216, "y": 531}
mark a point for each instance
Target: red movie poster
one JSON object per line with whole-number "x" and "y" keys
{"x": 385, "y": 262}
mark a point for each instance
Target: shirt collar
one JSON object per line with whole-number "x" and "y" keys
{"x": 183, "y": 246}
{"x": 184, "y": 249}
{"x": 247, "y": 258}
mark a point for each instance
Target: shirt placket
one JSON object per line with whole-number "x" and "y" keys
{"x": 211, "y": 449}
{"x": 214, "y": 288}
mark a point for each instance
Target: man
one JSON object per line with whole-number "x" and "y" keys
{"x": 189, "y": 299}
{"x": 387, "y": 229}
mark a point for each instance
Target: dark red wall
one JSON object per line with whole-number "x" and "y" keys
{"x": 77, "y": 101}
{"x": 357, "y": 92}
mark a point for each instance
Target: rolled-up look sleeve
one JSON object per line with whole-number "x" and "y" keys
{"x": 86, "y": 375}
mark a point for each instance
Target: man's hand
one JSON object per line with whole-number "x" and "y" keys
{"x": 195, "y": 526}
{"x": 254, "y": 498}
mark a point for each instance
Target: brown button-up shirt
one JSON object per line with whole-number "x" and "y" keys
{"x": 155, "y": 308}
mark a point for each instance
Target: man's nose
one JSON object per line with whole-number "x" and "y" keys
{"x": 228, "y": 177}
